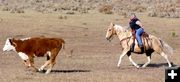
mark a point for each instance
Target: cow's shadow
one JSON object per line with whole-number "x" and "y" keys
{"x": 67, "y": 71}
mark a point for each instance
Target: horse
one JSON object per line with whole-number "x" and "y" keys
{"x": 151, "y": 44}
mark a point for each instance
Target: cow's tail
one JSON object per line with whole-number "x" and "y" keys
{"x": 166, "y": 48}
{"x": 63, "y": 46}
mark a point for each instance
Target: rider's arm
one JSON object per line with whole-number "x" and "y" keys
{"x": 139, "y": 23}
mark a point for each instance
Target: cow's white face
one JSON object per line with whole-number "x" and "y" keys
{"x": 8, "y": 46}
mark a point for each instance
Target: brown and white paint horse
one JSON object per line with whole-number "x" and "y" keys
{"x": 151, "y": 44}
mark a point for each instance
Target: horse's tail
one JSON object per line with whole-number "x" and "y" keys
{"x": 166, "y": 48}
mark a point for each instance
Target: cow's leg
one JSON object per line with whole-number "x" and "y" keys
{"x": 52, "y": 60}
{"x": 121, "y": 56}
{"x": 26, "y": 63}
{"x": 50, "y": 66}
{"x": 166, "y": 57}
{"x": 45, "y": 64}
{"x": 31, "y": 61}
{"x": 130, "y": 59}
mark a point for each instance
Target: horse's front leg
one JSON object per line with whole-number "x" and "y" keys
{"x": 130, "y": 59}
{"x": 122, "y": 55}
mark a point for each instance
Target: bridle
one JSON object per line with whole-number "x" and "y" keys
{"x": 122, "y": 39}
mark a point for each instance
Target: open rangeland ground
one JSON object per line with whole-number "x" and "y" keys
{"x": 89, "y": 57}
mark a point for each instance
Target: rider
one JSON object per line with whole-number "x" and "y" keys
{"x": 137, "y": 29}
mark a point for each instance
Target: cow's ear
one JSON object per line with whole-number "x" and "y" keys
{"x": 12, "y": 42}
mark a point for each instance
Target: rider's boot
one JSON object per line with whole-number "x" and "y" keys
{"x": 132, "y": 47}
{"x": 142, "y": 49}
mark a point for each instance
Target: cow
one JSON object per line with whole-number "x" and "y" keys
{"x": 28, "y": 48}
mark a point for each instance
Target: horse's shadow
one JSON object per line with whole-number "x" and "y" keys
{"x": 67, "y": 71}
{"x": 157, "y": 65}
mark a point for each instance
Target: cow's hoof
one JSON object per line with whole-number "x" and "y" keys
{"x": 41, "y": 70}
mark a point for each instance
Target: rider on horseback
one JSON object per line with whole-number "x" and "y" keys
{"x": 137, "y": 30}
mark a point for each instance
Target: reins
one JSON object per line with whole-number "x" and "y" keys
{"x": 125, "y": 39}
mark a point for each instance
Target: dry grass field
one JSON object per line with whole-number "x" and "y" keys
{"x": 89, "y": 57}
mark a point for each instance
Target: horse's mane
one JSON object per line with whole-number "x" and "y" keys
{"x": 122, "y": 29}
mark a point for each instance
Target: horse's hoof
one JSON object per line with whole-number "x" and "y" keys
{"x": 143, "y": 66}
{"x": 137, "y": 67}
{"x": 40, "y": 69}
{"x": 170, "y": 65}
{"x": 47, "y": 72}
{"x": 118, "y": 66}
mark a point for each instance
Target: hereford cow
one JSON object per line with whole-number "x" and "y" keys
{"x": 29, "y": 48}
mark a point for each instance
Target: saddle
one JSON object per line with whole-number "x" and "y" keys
{"x": 143, "y": 36}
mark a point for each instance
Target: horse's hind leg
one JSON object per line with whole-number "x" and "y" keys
{"x": 130, "y": 59}
{"x": 166, "y": 57}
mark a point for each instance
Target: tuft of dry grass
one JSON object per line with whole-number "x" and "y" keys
{"x": 164, "y": 8}
{"x": 16, "y": 10}
{"x": 106, "y": 9}
{"x": 62, "y": 17}
{"x": 5, "y": 8}
{"x": 70, "y": 12}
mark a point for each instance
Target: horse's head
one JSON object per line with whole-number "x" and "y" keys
{"x": 110, "y": 32}
{"x": 114, "y": 29}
